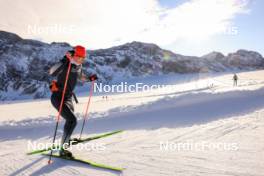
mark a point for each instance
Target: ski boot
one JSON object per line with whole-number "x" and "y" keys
{"x": 74, "y": 141}
{"x": 66, "y": 154}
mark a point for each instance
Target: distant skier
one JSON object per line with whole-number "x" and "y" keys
{"x": 235, "y": 78}
{"x": 75, "y": 57}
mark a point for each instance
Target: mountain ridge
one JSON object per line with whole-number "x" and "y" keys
{"x": 24, "y": 63}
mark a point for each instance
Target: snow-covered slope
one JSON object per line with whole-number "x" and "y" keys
{"x": 24, "y": 64}
{"x": 223, "y": 124}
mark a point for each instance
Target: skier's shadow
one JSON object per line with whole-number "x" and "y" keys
{"x": 47, "y": 169}
{"x": 21, "y": 170}
{"x": 57, "y": 164}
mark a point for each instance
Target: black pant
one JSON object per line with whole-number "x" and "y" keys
{"x": 67, "y": 113}
{"x": 235, "y": 82}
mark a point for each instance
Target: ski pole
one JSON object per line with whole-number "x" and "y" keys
{"x": 60, "y": 109}
{"x": 87, "y": 107}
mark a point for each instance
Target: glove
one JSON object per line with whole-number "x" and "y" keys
{"x": 93, "y": 77}
{"x": 54, "y": 86}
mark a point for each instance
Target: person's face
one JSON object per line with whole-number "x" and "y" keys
{"x": 79, "y": 60}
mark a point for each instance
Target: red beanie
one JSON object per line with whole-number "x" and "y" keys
{"x": 79, "y": 51}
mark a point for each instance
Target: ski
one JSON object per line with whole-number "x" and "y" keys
{"x": 57, "y": 147}
{"x": 89, "y": 162}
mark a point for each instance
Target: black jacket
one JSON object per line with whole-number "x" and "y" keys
{"x": 61, "y": 73}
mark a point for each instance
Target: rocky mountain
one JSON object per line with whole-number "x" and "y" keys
{"x": 24, "y": 63}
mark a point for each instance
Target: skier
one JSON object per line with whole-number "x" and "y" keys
{"x": 235, "y": 78}
{"x": 74, "y": 57}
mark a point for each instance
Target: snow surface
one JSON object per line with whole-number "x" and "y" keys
{"x": 203, "y": 108}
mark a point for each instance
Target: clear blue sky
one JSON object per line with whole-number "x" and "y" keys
{"x": 250, "y": 34}
{"x": 171, "y": 3}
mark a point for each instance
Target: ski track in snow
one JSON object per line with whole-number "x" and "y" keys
{"x": 192, "y": 113}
